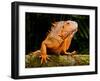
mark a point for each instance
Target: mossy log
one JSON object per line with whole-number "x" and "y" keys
{"x": 33, "y": 60}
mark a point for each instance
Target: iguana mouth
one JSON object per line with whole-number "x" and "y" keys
{"x": 75, "y": 30}
{"x": 72, "y": 32}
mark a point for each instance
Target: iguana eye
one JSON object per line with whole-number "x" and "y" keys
{"x": 63, "y": 27}
{"x": 68, "y": 23}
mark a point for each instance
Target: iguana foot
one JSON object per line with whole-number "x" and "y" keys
{"x": 44, "y": 59}
{"x": 67, "y": 53}
{"x": 70, "y": 53}
{"x": 74, "y": 52}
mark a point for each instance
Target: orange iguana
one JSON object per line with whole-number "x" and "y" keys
{"x": 58, "y": 39}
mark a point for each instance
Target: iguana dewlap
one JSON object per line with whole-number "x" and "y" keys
{"x": 59, "y": 38}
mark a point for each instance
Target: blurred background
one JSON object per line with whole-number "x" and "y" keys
{"x": 38, "y": 24}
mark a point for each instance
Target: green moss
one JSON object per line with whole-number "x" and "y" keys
{"x": 32, "y": 60}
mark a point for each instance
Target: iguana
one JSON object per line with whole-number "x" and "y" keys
{"x": 58, "y": 39}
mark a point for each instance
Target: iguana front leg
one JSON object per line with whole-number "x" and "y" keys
{"x": 67, "y": 43}
{"x": 44, "y": 56}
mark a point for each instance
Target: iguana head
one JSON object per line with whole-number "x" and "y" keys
{"x": 68, "y": 27}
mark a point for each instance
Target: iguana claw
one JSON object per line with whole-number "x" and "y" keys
{"x": 44, "y": 59}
